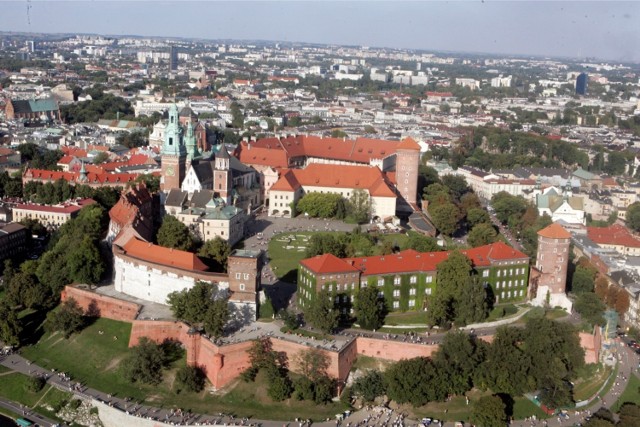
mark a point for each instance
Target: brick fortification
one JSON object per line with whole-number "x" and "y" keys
{"x": 224, "y": 363}
{"x": 102, "y": 305}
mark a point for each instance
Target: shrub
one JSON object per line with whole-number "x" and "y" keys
{"x": 191, "y": 378}
{"x": 35, "y": 384}
{"x": 75, "y": 404}
{"x": 249, "y": 374}
{"x": 280, "y": 388}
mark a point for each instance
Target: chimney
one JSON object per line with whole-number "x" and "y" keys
{"x": 249, "y": 146}
{"x": 245, "y": 139}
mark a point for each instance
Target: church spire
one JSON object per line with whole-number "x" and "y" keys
{"x": 190, "y": 142}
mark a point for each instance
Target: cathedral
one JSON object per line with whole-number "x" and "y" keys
{"x": 187, "y": 167}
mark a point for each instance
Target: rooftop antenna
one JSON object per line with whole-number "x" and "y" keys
{"x": 28, "y": 14}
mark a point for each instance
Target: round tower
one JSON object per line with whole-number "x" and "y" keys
{"x": 407, "y": 164}
{"x": 552, "y": 259}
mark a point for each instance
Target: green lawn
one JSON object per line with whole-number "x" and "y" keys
{"x": 12, "y": 387}
{"x": 286, "y": 250}
{"x": 458, "y": 410}
{"x": 284, "y": 261}
{"x": 630, "y": 394}
{"x": 4, "y": 369}
{"x": 95, "y": 359}
{"x": 406, "y": 318}
{"x": 590, "y": 381}
{"x": 523, "y": 408}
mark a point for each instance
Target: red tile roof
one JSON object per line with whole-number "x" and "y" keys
{"x": 554, "y": 231}
{"x": 335, "y": 176}
{"x": 408, "y": 144}
{"x": 360, "y": 150}
{"x": 613, "y": 235}
{"x": 64, "y": 208}
{"x": 73, "y": 177}
{"x": 164, "y": 256}
{"x": 251, "y": 155}
{"x": 327, "y": 263}
{"x": 411, "y": 261}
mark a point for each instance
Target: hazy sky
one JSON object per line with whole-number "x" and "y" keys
{"x": 604, "y": 29}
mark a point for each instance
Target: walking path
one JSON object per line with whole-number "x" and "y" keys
{"x": 627, "y": 362}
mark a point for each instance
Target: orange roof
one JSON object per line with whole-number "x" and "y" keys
{"x": 360, "y": 150}
{"x": 554, "y": 231}
{"x": 613, "y": 235}
{"x": 65, "y": 160}
{"x": 411, "y": 260}
{"x": 164, "y": 256}
{"x": 335, "y": 176}
{"x": 251, "y": 155}
{"x": 327, "y": 263}
{"x": 408, "y": 144}
{"x": 73, "y": 177}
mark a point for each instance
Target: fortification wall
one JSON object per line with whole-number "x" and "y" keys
{"x": 102, "y": 305}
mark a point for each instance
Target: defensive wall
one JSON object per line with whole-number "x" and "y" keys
{"x": 102, "y": 305}
{"x": 224, "y": 363}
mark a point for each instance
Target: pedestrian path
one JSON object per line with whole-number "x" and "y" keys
{"x": 372, "y": 416}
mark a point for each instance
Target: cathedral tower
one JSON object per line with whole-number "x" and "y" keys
{"x": 174, "y": 153}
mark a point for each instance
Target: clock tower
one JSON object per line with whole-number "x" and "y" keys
{"x": 174, "y": 153}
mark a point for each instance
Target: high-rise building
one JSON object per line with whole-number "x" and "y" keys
{"x": 173, "y": 58}
{"x": 581, "y": 84}
{"x": 31, "y": 45}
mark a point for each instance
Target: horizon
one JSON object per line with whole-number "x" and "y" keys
{"x": 572, "y": 30}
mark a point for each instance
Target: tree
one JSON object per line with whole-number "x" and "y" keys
{"x": 421, "y": 243}
{"x": 445, "y": 217}
{"x": 629, "y": 414}
{"x": 416, "y": 381}
{"x": 453, "y": 279}
{"x": 35, "y": 384}
{"x": 368, "y": 308}
{"x": 477, "y": 216}
{"x": 633, "y": 216}
{"x": 174, "y": 234}
{"x": 68, "y": 319}
{"x": 10, "y": 327}
{"x": 313, "y": 364}
{"x": 369, "y": 386}
{"x": 507, "y": 206}
{"x": 359, "y": 207}
{"x": 590, "y": 307}
{"x": 280, "y": 388}
{"x": 216, "y": 317}
{"x": 217, "y": 251}
{"x": 145, "y": 363}
{"x": 489, "y": 411}
{"x": 505, "y": 368}
{"x": 289, "y": 318}
{"x": 582, "y": 279}
{"x": 266, "y": 310}
{"x": 456, "y": 184}
{"x": 601, "y": 287}
{"x": 191, "y": 378}
{"x": 101, "y": 157}
{"x": 320, "y": 244}
{"x": 25, "y": 290}
{"x": 622, "y": 302}
{"x": 84, "y": 263}
{"x": 322, "y": 205}
{"x": 482, "y": 234}
{"x": 322, "y": 313}
{"x": 192, "y": 305}
{"x": 458, "y": 358}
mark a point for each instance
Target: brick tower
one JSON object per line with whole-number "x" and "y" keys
{"x": 174, "y": 153}
{"x": 407, "y": 163}
{"x": 549, "y": 280}
{"x": 244, "y": 267}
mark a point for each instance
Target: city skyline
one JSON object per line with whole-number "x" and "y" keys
{"x": 605, "y": 30}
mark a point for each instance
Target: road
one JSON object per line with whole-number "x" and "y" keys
{"x": 26, "y": 413}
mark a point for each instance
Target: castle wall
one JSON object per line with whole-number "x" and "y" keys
{"x": 111, "y": 308}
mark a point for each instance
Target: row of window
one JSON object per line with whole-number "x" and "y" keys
{"x": 508, "y": 294}
{"x": 239, "y": 276}
{"x": 504, "y": 272}
{"x": 509, "y": 284}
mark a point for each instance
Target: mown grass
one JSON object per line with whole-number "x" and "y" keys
{"x": 630, "y": 394}
{"x": 590, "y": 381}
{"x": 95, "y": 359}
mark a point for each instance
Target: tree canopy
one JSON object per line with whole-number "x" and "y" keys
{"x": 174, "y": 234}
